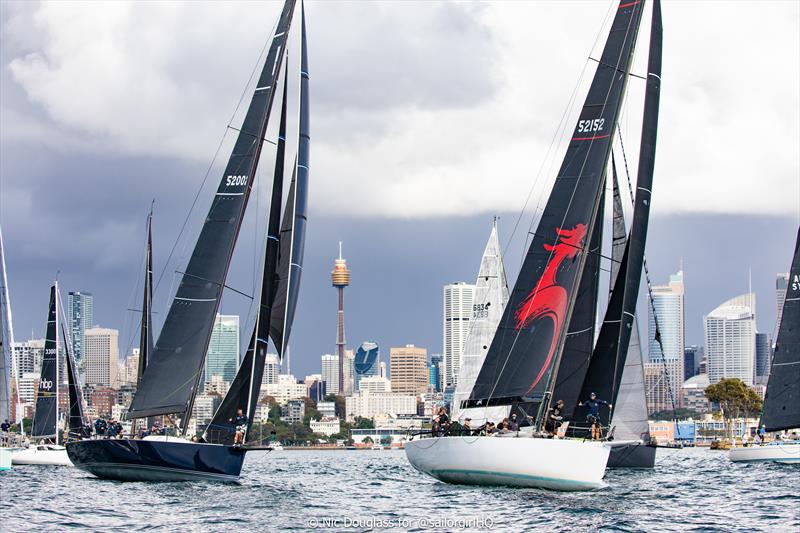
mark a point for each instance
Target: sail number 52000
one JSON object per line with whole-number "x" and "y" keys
{"x": 589, "y": 126}
{"x": 235, "y": 180}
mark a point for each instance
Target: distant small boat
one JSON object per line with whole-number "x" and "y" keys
{"x": 275, "y": 447}
{"x": 782, "y": 399}
{"x": 42, "y": 454}
{"x": 5, "y": 459}
{"x": 377, "y": 447}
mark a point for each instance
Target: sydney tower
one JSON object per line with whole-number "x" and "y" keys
{"x": 340, "y": 278}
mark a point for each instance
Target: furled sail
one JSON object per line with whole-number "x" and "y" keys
{"x": 146, "y": 330}
{"x": 169, "y": 383}
{"x": 579, "y": 343}
{"x": 782, "y": 400}
{"x": 608, "y": 360}
{"x": 524, "y": 353}
{"x": 491, "y": 296}
{"x": 282, "y": 267}
{"x": 45, "y": 416}
{"x": 6, "y": 339}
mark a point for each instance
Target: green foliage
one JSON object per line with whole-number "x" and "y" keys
{"x": 339, "y": 402}
{"x": 680, "y": 413}
{"x": 386, "y": 440}
{"x": 364, "y": 423}
{"x": 735, "y": 399}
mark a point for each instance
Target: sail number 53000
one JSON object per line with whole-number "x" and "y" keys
{"x": 235, "y": 180}
{"x": 590, "y": 126}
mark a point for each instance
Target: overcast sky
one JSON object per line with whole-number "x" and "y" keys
{"x": 427, "y": 120}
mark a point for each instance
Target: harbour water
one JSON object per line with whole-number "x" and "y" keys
{"x": 692, "y": 489}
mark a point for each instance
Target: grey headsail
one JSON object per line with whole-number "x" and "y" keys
{"x": 6, "y": 339}
{"x": 524, "y": 354}
{"x": 608, "y": 360}
{"x": 170, "y": 381}
{"x": 76, "y": 419}
{"x": 782, "y": 400}
{"x": 282, "y": 266}
{"x": 45, "y": 416}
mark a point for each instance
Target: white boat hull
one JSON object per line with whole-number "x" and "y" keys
{"x": 557, "y": 464}
{"x": 41, "y": 455}
{"x": 5, "y": 458}
{"x": 788, "y": 452}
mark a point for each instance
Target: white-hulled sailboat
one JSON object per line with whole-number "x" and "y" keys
{"x": 521, "y": 368}
{"x": 8, "y": 372}
{"x": 782, "y": 400}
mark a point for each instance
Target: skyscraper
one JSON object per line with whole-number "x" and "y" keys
{"x": 730, "y": 337}
{"x": 457, "y": 309}
{"x": 223, "y": 349}
{"x": 272, "y": 368}
{"x": 409, "y": 369}
{"x": 763, "y": 356}
{"x": 340, "y": 278}
{"x": 101, "y": 356}
{"x": 669, "y": 312}
{"x": 781, "y": 283}
{"x": 80, "y": 316}
{"x": 330, "y": 373}
{"x": 435, "y": 373}
{"x": 367, "y": 361}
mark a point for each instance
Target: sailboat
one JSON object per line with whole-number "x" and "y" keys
{"x": 8, "y": 372}
{"x": 172, "y": 368}
{"x": 523, "y": 362}
{"x": 47, "y": 448}
{"x": 489, "y": 302}
{"x": 782, "y": 399}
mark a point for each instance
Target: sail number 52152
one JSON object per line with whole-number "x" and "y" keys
{"x": 235, "y": 180}
{"x": 590, "y": 126}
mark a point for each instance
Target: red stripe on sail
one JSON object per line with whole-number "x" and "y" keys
{"x": 629, "y": 4}
{"x": 590, "y": 138}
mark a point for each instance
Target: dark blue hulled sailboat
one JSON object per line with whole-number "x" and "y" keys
{"x": 171, "y": 370}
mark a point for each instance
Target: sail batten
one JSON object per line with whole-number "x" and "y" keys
{"x": 169, "y": 383}
{"x": 522, "y": 363}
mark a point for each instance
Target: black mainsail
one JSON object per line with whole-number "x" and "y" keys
{"x": 782, "y": 400}
{"x": 282, "y": 267}
{"x": 146, "y": 329}
{"x": 169, "y": 383}
{"x": 524, "y": 354}
{"x": 75, "y": 416}
{"x": 608, "y": 360}
{"x": 45, "y": 416}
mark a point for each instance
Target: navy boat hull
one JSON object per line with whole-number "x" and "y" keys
{"x": 632, "y": 456}
{"x": 157, "y": 460}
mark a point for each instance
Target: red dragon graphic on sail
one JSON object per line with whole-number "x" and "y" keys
{"x": 548, "y": 299}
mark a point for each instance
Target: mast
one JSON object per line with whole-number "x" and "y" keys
{"x": 522, "y": 363}
{"x": 608, "y": 360}
{"x": 170, "y": 380}
{"x": 282, "y": 268}
{"x": 782, "y": 400}
{"x": 8, "y": 366}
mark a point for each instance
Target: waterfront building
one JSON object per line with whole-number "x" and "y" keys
{"x": 330, "y": 373}
{"x": 223, "y": 349}
{"x": 293, "y": 411}
{"x": 100, "y": 398}
{"x": 781, "y": 284}
{"x": 286, "y": 389}
{"x": 657, "y": 389}
{"x": 261, "y": 414}
{"x": 668, "y": 301}
{"x": 435, "y": 373}
{"x": 328, "y": 425}
{"x": 694, "y": 390}
{"x": 457, "y": 309}
{"x": 730, "y": 339}
{"x": 101, "y": 357}
{"x": 217, "y": 385}
{"x": 326, "y": 408}
{"x": 369, "y": 405}
{"x": 365, "y": 438}
{"x": 375, "y": 384}
{"x": 763, "y": 356}
{"x": 205, "y": 405}
{"x": 80, "y": 317}
{"x": 131, "y": 368}
{"x": 28, "y": 385}
{"x": 409, "y": 366}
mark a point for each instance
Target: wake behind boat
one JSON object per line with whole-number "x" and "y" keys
{"x": 170, "y": 370}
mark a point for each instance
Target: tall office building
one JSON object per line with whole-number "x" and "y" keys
{"x": 457, "y": 307}
{"x": 272, "y": 369}
{"x": 80, "y": 316}
{"x": 669, "y": 354}
{"x": 101, "y": 356}
{"x": 27, "y": 356}
{"x": 435, "y": 373}
{"x": 781, "y": 283}
{"x": 367, "y": 361}
{"x": 692, "y": 355}
{"x": 763, "y": 356}
{"x": 330, "y": 373}
{"x": 730, "y": 335}
{"x": 223, "y": 349}
{"x": 409, "y": 369}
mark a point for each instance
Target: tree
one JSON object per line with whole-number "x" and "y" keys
{"x": 364, "y": 423}
{"x": 367, "y": 440}
{"x": 340, "y": 405}
{"x": 735, "y": 399}
{"x": 386, "y": 440}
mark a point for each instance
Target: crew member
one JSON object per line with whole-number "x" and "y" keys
{"x": 240, "y": 421}
{"x": 593, "y": 415}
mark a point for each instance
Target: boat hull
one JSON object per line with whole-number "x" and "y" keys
{"x": 775, "y": 452}
{"x": 631, "y": 454}
{"x": 556, "y": 464}
{"x": 157, "y": 460}
{"x": 5, "y": 459}
{"x": 41, "y": 455}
